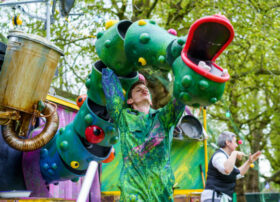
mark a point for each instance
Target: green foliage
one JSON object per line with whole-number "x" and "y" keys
{"x": 252, "y": 94}
{"x": 3, "y": 39}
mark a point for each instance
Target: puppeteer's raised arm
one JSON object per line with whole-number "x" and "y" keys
{"x": 113, "y": 93}
{"x": 171, "y": 113}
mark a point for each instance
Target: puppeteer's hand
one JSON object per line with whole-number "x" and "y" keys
{"x": 239, "y": 155}
{"x": 254, "y": 157}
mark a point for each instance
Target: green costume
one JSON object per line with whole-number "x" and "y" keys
{"x": 145, "y": 144}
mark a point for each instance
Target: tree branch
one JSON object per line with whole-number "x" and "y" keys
{"x": 273, "y": 177}
{"x": 152, "y": 7}
{"x": 67, "y": 42}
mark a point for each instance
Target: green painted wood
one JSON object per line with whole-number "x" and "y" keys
{"x": 186, "y": 156}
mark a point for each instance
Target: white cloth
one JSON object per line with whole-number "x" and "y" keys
{"x": 218, "y": 162}
{"x": 208, "y": 193}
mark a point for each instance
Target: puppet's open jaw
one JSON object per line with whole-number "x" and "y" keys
{"x": 207, "y": 39}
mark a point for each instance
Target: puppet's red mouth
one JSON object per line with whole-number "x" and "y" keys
{"x": 207, "y": 39}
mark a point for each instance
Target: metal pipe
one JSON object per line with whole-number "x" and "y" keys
{"x": 48, "y": 17}
{"x": 30, "y": 15}
{"x": 21, "y": 2}
{"x": 87, "y": 181}
{"x": 31, "y": 144}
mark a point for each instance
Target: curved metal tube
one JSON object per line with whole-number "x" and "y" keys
{"x": 38, "y": 141}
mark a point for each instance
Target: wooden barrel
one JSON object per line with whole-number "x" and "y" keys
{"x": 29, "y": 66}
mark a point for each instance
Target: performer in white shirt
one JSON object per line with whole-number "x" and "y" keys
{"x": 222, "y": 172}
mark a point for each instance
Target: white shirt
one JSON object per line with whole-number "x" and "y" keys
{"x": 218, "y": 162}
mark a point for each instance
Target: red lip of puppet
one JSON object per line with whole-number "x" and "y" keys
{"x": 207, "y": 39}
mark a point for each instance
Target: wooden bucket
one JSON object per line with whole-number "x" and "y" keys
{"x": 29, "y": 66}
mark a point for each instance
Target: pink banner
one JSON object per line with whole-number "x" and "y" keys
{"x": 65, "y": 189}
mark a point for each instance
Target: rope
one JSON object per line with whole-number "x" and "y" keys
{"x": 38, "y": 114}
{"x": 7, "y": 123}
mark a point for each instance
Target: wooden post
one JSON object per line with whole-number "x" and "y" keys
{"x": 205, "y": 142}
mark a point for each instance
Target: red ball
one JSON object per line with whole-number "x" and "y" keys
{"x": 142, "y": 78}
{"x": 240, "y": 142}
{"x": 172, "y": 31}
{"x": 94, "y": 134}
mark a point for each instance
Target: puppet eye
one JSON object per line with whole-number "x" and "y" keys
{"x": 80, "y": 100}
{"x": 94, "y": 134}
{"x": 74, "y": 164}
